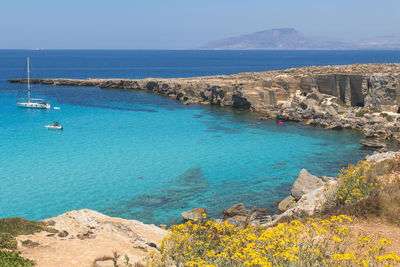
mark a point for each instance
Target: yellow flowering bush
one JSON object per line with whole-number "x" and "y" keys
{"x": 356, "y": 183}
{"x": 314, "y": 242}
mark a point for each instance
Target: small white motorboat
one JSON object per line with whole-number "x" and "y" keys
{"x": 57, "y": 108}
{"x": 54, "y": 126}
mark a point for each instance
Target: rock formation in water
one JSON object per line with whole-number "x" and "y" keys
{"x": 361, "y": 96}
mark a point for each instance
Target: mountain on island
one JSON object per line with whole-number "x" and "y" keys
{"x": 290, "y": 38}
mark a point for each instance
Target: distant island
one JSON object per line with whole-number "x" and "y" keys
{"x": 291, "y": 39}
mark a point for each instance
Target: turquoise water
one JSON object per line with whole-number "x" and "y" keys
{"x": 141, "y": 156}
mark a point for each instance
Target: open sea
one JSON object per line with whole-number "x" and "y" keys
{"x": 141, "y": 156}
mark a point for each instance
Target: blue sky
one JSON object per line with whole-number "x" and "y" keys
{"x": 158, "y": 24}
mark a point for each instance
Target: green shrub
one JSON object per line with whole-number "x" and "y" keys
{"x": 21, "y": 226}
{"x": 13, "y": 259}
{"x": 361, "y": 113}
{"x": 11, "y": 227}
{"x": 387, "y": 116}
{"x": 340, "y": 103}
{"x": 29, "y": 243}
{"x": 7, "y": 241}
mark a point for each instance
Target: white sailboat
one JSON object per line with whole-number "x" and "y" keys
{"x": 29, "y": 102}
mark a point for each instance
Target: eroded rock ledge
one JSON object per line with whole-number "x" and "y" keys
{"x": 329, "y": 96}
{"x": 89, "y": 238}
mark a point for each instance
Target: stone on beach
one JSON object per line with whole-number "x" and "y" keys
{"x": 194, "y": 214}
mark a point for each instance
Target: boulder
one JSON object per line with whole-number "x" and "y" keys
{"x": 193, "y": 214}
{"x": 285, "y": 204}
{"x": 238, "y": 209}
{"x": 373, "y": 144}
{"x": 305, "y": 183}
{"x": 308, "y": 205}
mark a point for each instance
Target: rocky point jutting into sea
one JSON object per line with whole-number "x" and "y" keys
{"x": 365, "y": 97}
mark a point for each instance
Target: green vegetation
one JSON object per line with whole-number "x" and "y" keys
{"x": 9, "y": 229}
{"x": 7, "y": 241}
{"x": 361, "y": 113}
{"x": 30, "y": 243}
{"x": 355, "y": 184}
{"x": 340, "y": 103}
{"x": 368, "y": 190}
{"x": 21, "y": 226}
{"x": 13, "y": 259}
{"x": 387, "y": 116}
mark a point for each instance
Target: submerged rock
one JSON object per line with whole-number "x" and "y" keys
{"x": 175, "y": 195}
{"x": 305, "y": 183}
{"x": 194, "y": 214}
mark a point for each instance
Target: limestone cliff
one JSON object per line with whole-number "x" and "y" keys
{"x": 330, "y": 95}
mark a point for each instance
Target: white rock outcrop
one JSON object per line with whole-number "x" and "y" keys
{"x": 89, "y": 238}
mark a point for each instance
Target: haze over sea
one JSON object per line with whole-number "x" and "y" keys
{"x": 141, "y": 156}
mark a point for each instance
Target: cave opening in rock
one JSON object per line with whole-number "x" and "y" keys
{"x": 356, "y": 95}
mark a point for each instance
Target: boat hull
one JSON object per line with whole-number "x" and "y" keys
{"x": 34, "y": 105}
{"x": 51, "y": 127}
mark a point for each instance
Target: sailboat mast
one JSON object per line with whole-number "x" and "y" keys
{"x": 29, "y": 85}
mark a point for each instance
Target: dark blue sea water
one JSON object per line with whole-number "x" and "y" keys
{"x": 141, "y": 156}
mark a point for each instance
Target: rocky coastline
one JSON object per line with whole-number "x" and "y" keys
{"x": 363, "y": 97}
{"x": 307, "y": 196}
{"x": 89, "y": 238}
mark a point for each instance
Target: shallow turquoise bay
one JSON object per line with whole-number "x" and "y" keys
{"x": 142, "y": 156}
{"x": 145, "y": 157}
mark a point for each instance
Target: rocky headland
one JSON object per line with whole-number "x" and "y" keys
{"x": 364, "y": 97}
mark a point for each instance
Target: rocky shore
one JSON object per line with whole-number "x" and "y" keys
{"x": 89, "y": 238}
{"x": 364, "y": 97}
{"x": 308, "y": 194}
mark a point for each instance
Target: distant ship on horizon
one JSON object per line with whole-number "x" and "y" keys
{"x": 37, "y": 49}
